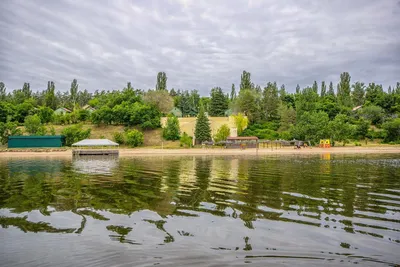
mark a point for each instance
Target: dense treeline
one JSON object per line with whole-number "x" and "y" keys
{"x": 347, "y": 110}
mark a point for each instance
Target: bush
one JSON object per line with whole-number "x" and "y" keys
{"x": 285, "y": 135}
{"x": 171, "y": 130}
{"x": 392, "y": 129}
{"x": 119, "y": 138}
{"x": 52, "y": 130}
{"x": 33, "y": 125}
{"x": 186, "y": 140}
{"x": 8, "y": 129}
{"x": 222, "y": 133}
{"x": 83, "y": 115}
{"x": 45, "y": 114}
{"x": 134, "y": 138}
{"x": 74, "y": 134}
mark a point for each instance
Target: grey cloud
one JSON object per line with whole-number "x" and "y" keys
{"x": 199, "y": 44}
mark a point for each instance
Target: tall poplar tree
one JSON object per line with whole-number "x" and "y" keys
{"x": 297, "y": 89}
{"x": 74, "y": 92}
{"x": 270, "y": 101}
{"x": 233, "y": 92}
{"x": 323, "y": 89}
{"x": 331, "y": 91}
{"x": 358, "y": 93}
{"x": 161, "y": 81}
{"x": 344, "y": 91}
{"x": 245, "y": 81}
{"x": 315, "y": 87}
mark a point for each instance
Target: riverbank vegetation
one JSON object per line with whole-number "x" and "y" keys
{"x": 342, "y": 112}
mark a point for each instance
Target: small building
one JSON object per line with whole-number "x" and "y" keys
{"x": 88, "y": 108}
{"x": 242, "y": 142}
{"x": 95, "y": 147}
{"x": 32, "y": 141}
{"x": 176, "y": 112}
{"x": 62, "y": 111}
{"x": 356, "y": 108}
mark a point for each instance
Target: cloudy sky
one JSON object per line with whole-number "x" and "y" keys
{"x": 199, "y": 44}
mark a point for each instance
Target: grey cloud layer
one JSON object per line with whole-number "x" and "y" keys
{"x": 199, "y": 44}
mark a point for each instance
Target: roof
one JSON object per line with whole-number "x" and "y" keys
{"x": 243, "y": 138}
{"x": 358, "y": 107}
{"x": 95, "y": 142}
{"x": 65, "y": 109}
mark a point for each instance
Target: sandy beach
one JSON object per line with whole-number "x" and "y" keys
{"x": 124, "y": 152}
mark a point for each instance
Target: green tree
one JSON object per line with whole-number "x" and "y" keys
{"x": 8, "y": 129}
{"x": 312, "y": 126}
{"x": 315, "y": 87}
{"x": 186, "y": 140}
{"x": 233, "y": 92}
{"x": 323, "y": 89}
{"x": 172, "y": 130}
{"x": 331, "y": 91}
{"x": 33, "y": 125}
{"x": 202, "y": 129}
{"x": 50, "y": 98}
{"x": 298, "y": 89}
{"x": 248, "y": 102}
{"x": 270, "y": 101}
{"x": 358, "y": 93}
{"x": 372, "y": 113}
{"x": 392, "y": 129}
{"x": 3, "y": 94}
{"x": 45, "y": 114}
{"x": 134, "y": 138}
{"x": 341, "y": 130}
{"x": 245, "y": 81}
{"x": 74, "y": 92}
{"x": 282, "y": 93}
{"x": 218, "y": 103}
{"x": 306, "y": 101}
{"x": 26, "y": 90}
{"x": 161, "y": 81}
{"x": 361, "y": 128}
{"x": 287, "y": 117}
{"x": 222, "y": 133}
{"x": 343, "y": 95}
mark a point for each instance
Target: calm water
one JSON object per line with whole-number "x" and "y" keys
{"x": 201, "y": 211}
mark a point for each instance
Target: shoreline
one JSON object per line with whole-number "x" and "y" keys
{"x": 126, "y": 152}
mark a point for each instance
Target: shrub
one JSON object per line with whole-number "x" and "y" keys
{"x": 119, "y": 138}
{"x": 222, "y": 133}
{"x": 45, "y": 114}
{"x": 74, "y": 134}
{"x": 83, "y": 115}
{"x": 171, "y": 130}
{"x": 52, "y": 130}
{"x": 134, "y": 138}
{"x": 8, "y": 129}
{"x": 33, "y": 125}
{"x": 392, "y": 130}
{"x": 186, "y": 140}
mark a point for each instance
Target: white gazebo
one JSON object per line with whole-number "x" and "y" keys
{"x": 95, "y": 147}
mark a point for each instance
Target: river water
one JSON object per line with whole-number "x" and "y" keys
{"x": 201, "y": 211}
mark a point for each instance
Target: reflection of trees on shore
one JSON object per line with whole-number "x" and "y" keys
{"x": 254, "y": 188}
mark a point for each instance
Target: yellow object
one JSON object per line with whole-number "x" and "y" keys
{"x": 325, "y": 143}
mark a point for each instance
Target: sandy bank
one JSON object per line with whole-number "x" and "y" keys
{"x": 216, "y": 151}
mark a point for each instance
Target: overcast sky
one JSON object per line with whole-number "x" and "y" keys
{"x": 199, "y": 44}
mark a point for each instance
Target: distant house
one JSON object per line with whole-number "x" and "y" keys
{"x": 357, "y": 108}
{"x": 88, "y": 108}
{"x": 176, "y": 112}
{"x": 62, "y": 111}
